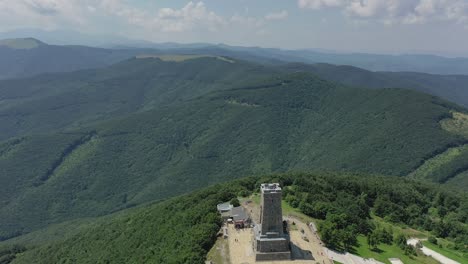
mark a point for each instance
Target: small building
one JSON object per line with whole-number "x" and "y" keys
{"x": 224, "y": 207}
{"x": 233, "y": 215}
{"x": 240, "y": 217}
{"x": 225, "y": 210}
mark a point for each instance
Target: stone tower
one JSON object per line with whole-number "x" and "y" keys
{"x": 271, "y": 241}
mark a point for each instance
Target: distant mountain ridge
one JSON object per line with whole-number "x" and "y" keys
{"x": 450, "y": 87}
{"x": 36, "y": 57}
{"x": 42, "y": 58}
{"x": 26, "y": 43}
{"x": 29, "y": 57}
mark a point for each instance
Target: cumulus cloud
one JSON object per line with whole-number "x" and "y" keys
{"x": 99, "y": 15}
{"x": 82, "y": 13}
{"x": 192, "y": 15}
{"x": 43, "y": 7}
{"x": 396, "y": 11}
{"x": 317, "y": 4}
{"x": 39, "y": 13}
{"x": 277, "y": 16}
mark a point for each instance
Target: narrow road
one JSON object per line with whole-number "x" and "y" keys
{"x": 348, "y": 258}
{"x": 431, "y": 253}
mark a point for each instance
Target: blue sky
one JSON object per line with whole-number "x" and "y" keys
{"x": 390, "y": 26}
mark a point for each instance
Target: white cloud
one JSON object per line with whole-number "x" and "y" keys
{"x": 317, "y": 4}
{"x": 46, "y": 14}
{"x": 396, "y": 11}
{"x": 277, "y": 16}
{"x": 191, "y": 16}
{"x": 247, "y": 22}
{"x": 82, "y": 13}
{"x": 100, "y": 16}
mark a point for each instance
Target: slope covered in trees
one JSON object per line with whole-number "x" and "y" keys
{"x": 450, "y": 166}
{"x": 29, "y": 57}
{"x": 182, "y": 229}
{"x": 57, "y": 102}
{"x": 453, "y": 88}
{"x": 287, "y": 123}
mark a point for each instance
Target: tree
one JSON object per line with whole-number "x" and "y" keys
{"x": 348, "y": 238}
{"x": 235, "y": 202}
{"x": 386, "y": 236}
{"x": 401, "y": 241}
{"x": 373, "y": 239}
{"x": 409, "y": 250}
{"x": 329, "y": 234}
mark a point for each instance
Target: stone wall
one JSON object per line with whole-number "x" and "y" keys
{"x": 272, "y": 245}
{"x": 273, "y": 256}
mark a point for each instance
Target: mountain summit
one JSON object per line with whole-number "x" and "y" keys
{"x": 21, "y": 43}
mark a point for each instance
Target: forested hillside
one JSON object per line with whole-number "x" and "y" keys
{"x": 212, "y": 131}
{"x": 374, "y": 62}
{"x": 54, "y": 102}
{"x": 453, "y": 88}
{"x": 183, "y": 229}
{"x": 29, "y": 57}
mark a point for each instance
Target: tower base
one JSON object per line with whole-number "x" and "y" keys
{"x": 273, "y": 248}
{"x": 271, "y": 256}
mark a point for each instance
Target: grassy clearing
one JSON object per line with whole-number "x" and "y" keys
{"x": 289, "y": 210}
{"x": 449, "y": 253}
{"x": 443, "y": 166}
{"x": 458, "y": 124}
{"x": 400, "y": 229}
{"x": 235, "y": 102}
{"x": 384, "y": 252}
{"x": 408, "y": 232}
{"x": 179, "y": 57}
{"x": 459, "y": 180}
{"x": 219, "y": 253}
{"x": 26, "y": 43}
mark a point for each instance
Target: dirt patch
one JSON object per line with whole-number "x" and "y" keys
{"x": 306, "y": 247}
{"x": 219, "y": 253}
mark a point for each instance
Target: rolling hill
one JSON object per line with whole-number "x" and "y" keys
{"x": 421, "y": 63}
{"x": 183, "y": 229}
{"x": 29, "y": 57}
{"x": 453, "y": 88}
{"x": 70, "y": 100}
{"x": 151, "y": 129}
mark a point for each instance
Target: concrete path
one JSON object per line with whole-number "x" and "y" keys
{"x": 431, "y": 253}
{"x": 347, "y": 258}
{"x": 395, "y": 261}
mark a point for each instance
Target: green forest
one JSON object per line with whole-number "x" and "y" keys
{"x": 120, "y": 151}
{"x": 183, "y": 229}
{"x": 185, "y": 125}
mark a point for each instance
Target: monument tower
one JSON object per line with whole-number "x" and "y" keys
{"x": 271, "y": 242}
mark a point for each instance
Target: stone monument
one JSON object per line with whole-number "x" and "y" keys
{"x": 271, "y": 242}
